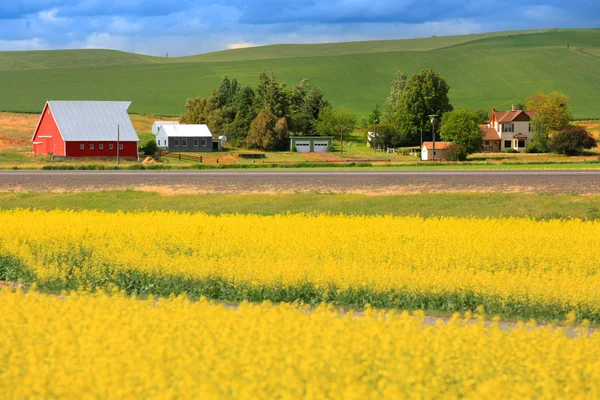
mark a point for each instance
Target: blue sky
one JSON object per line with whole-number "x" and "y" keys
{"x": 184, "y": 27}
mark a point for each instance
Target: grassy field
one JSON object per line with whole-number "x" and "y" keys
{"x": 538, "y": 206}
{"x": 483, "y": 71}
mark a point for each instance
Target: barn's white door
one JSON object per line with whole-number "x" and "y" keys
{"x": 321, "y": 146}
{"x": 303, "y": 146}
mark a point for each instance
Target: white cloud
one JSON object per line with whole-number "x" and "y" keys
{"x": 241, "y": 45}
{"x": 102, "y": 41}
{"x": 29, "y": 44}
{"x": 122, "y": 26}
{"x": 50, "y": 16}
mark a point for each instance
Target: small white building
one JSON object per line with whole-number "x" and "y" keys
{"x": 157, "y": 124}
{"x": 187, "y": 138}
{"x": 441, "y": 151}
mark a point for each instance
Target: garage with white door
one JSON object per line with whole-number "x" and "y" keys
{"x": 303, "y": 146}
{"x": 309, "y": 144}
{"x": 320, "y": 146}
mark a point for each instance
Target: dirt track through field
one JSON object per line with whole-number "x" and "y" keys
{"x": 367, "y": 182}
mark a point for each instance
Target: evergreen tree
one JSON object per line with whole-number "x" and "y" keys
{"x": 374, "y": 116}
{"x": 272, "y": 95}
{"x": 311, "y": 107}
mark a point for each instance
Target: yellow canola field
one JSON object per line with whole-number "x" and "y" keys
{"x": 82, "y": 346}
{"x": 552, "y": 262}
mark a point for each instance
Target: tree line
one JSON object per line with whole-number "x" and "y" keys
{"x": 266, "y": 116}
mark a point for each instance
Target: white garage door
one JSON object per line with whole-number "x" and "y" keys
{"x": 303, "y": 146}
{"x": 321, "y": 146}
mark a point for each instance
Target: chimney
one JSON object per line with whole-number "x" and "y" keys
{"x": 493, "y": 119}
{"x": 512, "y": 107}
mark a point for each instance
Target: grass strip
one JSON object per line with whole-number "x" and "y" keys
{"x": 538, "y": 206}
{"x": 215, "y": 288}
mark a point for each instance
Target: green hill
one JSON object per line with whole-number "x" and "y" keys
{"x": 484, "y": 71}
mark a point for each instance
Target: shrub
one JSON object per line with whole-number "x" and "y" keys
{"x": 455, "y": 152}
{"x": 537, "y": 147}
{"x": 572, "y": 140}
{"x": 510, "y": 150}
{"x": 150, "y": 148}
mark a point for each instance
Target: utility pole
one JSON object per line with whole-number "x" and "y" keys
{"x": 342, "y": 139}
{"x": 375, "y": 136}
{"x": 432, "y": 118}
{"x": 118, "y": 142}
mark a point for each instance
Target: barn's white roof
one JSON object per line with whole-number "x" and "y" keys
{"x": 185, "y": 131}
{"x": 93, "y": 120}
{"x": 157, "y": 124}
{"x": 161, "y": 123}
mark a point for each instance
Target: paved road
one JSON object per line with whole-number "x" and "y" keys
{"x": 289, "y": 181}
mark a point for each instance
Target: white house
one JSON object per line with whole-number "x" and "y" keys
{"x": 441, "y": 151}
{"x": 508, "y": 129}
{"x": 157, "y": 124}
{"x": 184, "y": 138}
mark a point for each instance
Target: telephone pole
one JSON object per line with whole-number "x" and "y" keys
{"x": 432, "y": 119}
{"x": 342, "y": 139}
{"x": 118, "y": 142}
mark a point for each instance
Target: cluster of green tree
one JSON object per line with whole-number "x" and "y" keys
{"x": 265, "y": 117}
{"x": 552, "y": 127}
{"x": 406, "y": 120}
{"x": 405, "y": 116}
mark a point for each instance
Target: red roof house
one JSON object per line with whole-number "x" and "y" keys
{"x": 508, "y": 130}
{"x": 86, "y": 129}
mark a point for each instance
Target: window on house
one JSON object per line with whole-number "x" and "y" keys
{"x": 121, "y": 146}
{"x": 196, "y": 142}
{"x": 183, "y": 142}
{"x": 101, "y": 146}
{"x": 176, "y": 142}
{"x": 202, "y": 142}
{"x": 487, "y": 142}
{"x": 91, "y": 146}
{"x": 508, "y": 127}
{"x": 508, "y": 143}
{"x": 529, "y": 127}
{"x": 521, "y": 143}
{"x": 110, "y": 146}
{"x": 81, "y": 146}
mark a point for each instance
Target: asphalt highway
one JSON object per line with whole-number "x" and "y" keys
{"x": 283, "y": 181}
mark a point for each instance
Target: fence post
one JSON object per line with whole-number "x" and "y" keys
{"x": 217, "y": 160}
{"x": 200, "y": 158}
{"x": 179, "y": 156}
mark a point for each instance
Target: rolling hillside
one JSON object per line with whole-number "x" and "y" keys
{"x": 484, "y": 71}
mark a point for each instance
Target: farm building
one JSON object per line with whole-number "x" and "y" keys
{"x": 86, "y": 129}
{"x": 508, "y": 130}
{"x": 441, "y": 151}
{"x": 187, "y": 138}
{"x": 310, "y": 144}
{"x": 157, "y": 124}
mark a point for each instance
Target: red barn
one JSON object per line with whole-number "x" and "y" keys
{"x": 86, "y": 129}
